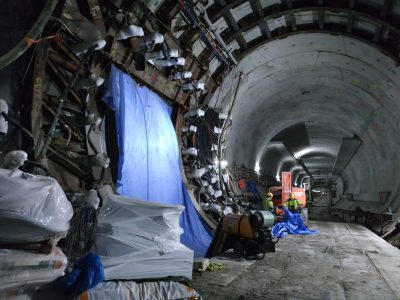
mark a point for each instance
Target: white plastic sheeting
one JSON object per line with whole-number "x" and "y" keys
{"x": 140, "y": 240}
{"x": 161, "y": 290}
{"x": 32, "y": 208}
{"x": 21, "y": 269}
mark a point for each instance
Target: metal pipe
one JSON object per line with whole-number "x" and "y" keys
{"x": 217, "y": 36}
{"x": 37, "y": 28}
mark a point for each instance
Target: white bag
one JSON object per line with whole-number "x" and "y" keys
{"x": 32, "y": 208}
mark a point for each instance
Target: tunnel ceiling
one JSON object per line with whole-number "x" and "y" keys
{"x": 330, "y": 65}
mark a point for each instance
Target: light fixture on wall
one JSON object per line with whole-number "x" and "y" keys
{"x": 224, "y": 163}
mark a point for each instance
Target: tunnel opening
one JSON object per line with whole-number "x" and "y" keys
{"x": 321, "y": 107}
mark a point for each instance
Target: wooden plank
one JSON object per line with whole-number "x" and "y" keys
{"x": 68, "y": 106}
{"x": 62, "y": 81}
{"x": 51, "y": 112}
{"x": 72, "y": 146}
{"x": 151, "y": 77}
{"x": 69, "y": 165}
{"x": 39, "y": 68}
{"x": 97, "y": 16}
{"x": 68, "y": 53}
{"x": 66, "y": 64}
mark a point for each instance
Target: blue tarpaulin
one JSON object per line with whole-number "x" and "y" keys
{"x": 292, "y": 224}
{"x": 86, "y": 274}
{"x": 149, "y": 162}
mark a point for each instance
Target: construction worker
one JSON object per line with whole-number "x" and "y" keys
{"x": 293, "y": 204}
{"x": 267, "y": 202}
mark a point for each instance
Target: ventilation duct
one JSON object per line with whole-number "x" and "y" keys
{"x": 348, "y": 149}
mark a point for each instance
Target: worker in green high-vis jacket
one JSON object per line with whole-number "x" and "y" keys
{"x": 293, "y": 204}
{"x": 267, "y": 202}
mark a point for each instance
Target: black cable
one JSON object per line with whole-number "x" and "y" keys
{"x": 38, "y": 165}
{"x": 279, "y": 237}
{"x": 90, "y": 140}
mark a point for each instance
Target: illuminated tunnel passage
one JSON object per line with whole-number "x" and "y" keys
{"x": 325, "y": 108}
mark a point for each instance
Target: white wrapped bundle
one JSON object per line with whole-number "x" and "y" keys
{"x": 141, "y": 240}
{"x": 32, "y": 208}
{"x": 21, "y": 269}
{"x": 161, "y": 290}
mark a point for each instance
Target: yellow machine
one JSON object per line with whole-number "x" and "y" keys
{"x": 247, "y": 234}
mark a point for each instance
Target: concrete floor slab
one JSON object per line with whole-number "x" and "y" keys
{"x": 389, "y": 267}
{"x": 232, "y": 269}
{"x": 344, "y": 261}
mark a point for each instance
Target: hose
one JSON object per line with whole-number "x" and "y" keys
{"x": 90, "y": 140}
{"x": 38, "y": 165}
{"x": 37, "y": 28}
{"x": 279, "y": 237}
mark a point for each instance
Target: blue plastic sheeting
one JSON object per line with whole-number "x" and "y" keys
{"x": 292, "y": 224}
{"x": 86, "y": 274}
{"x": 149, "y": 161}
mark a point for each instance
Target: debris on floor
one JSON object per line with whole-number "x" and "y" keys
{"x": 215, "y": 267}
{"x": 223, "y": 269}
{"x": 200, "y": 264}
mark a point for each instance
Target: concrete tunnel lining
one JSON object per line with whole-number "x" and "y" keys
{"x": 338, "y": 87}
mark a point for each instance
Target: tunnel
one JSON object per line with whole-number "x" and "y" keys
{"x": 336, "y": 88}
{"x": 199, "y": 149}
{"x": 319, "y": 104}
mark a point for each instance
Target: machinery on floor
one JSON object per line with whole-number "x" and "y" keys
{"x": 248, "y": 234}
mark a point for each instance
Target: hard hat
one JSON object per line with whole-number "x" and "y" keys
{"x": 291, "y": 196}
{"x": 270, "y": 195}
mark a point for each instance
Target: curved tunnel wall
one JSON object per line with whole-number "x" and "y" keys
{"x": 338, "y": 87}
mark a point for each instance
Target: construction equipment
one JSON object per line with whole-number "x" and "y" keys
{"x": 282, "y": 193}
{"x": 247, "y": 234}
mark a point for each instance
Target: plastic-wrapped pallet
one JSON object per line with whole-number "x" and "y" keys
{"x": 141, "y": 240}
{"x": 32, "y": 208}
{"x": 128, "y": 290}
{"x": 22, "y": 269}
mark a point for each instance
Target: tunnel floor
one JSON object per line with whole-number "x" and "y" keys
{"x": 343, "y": 261}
